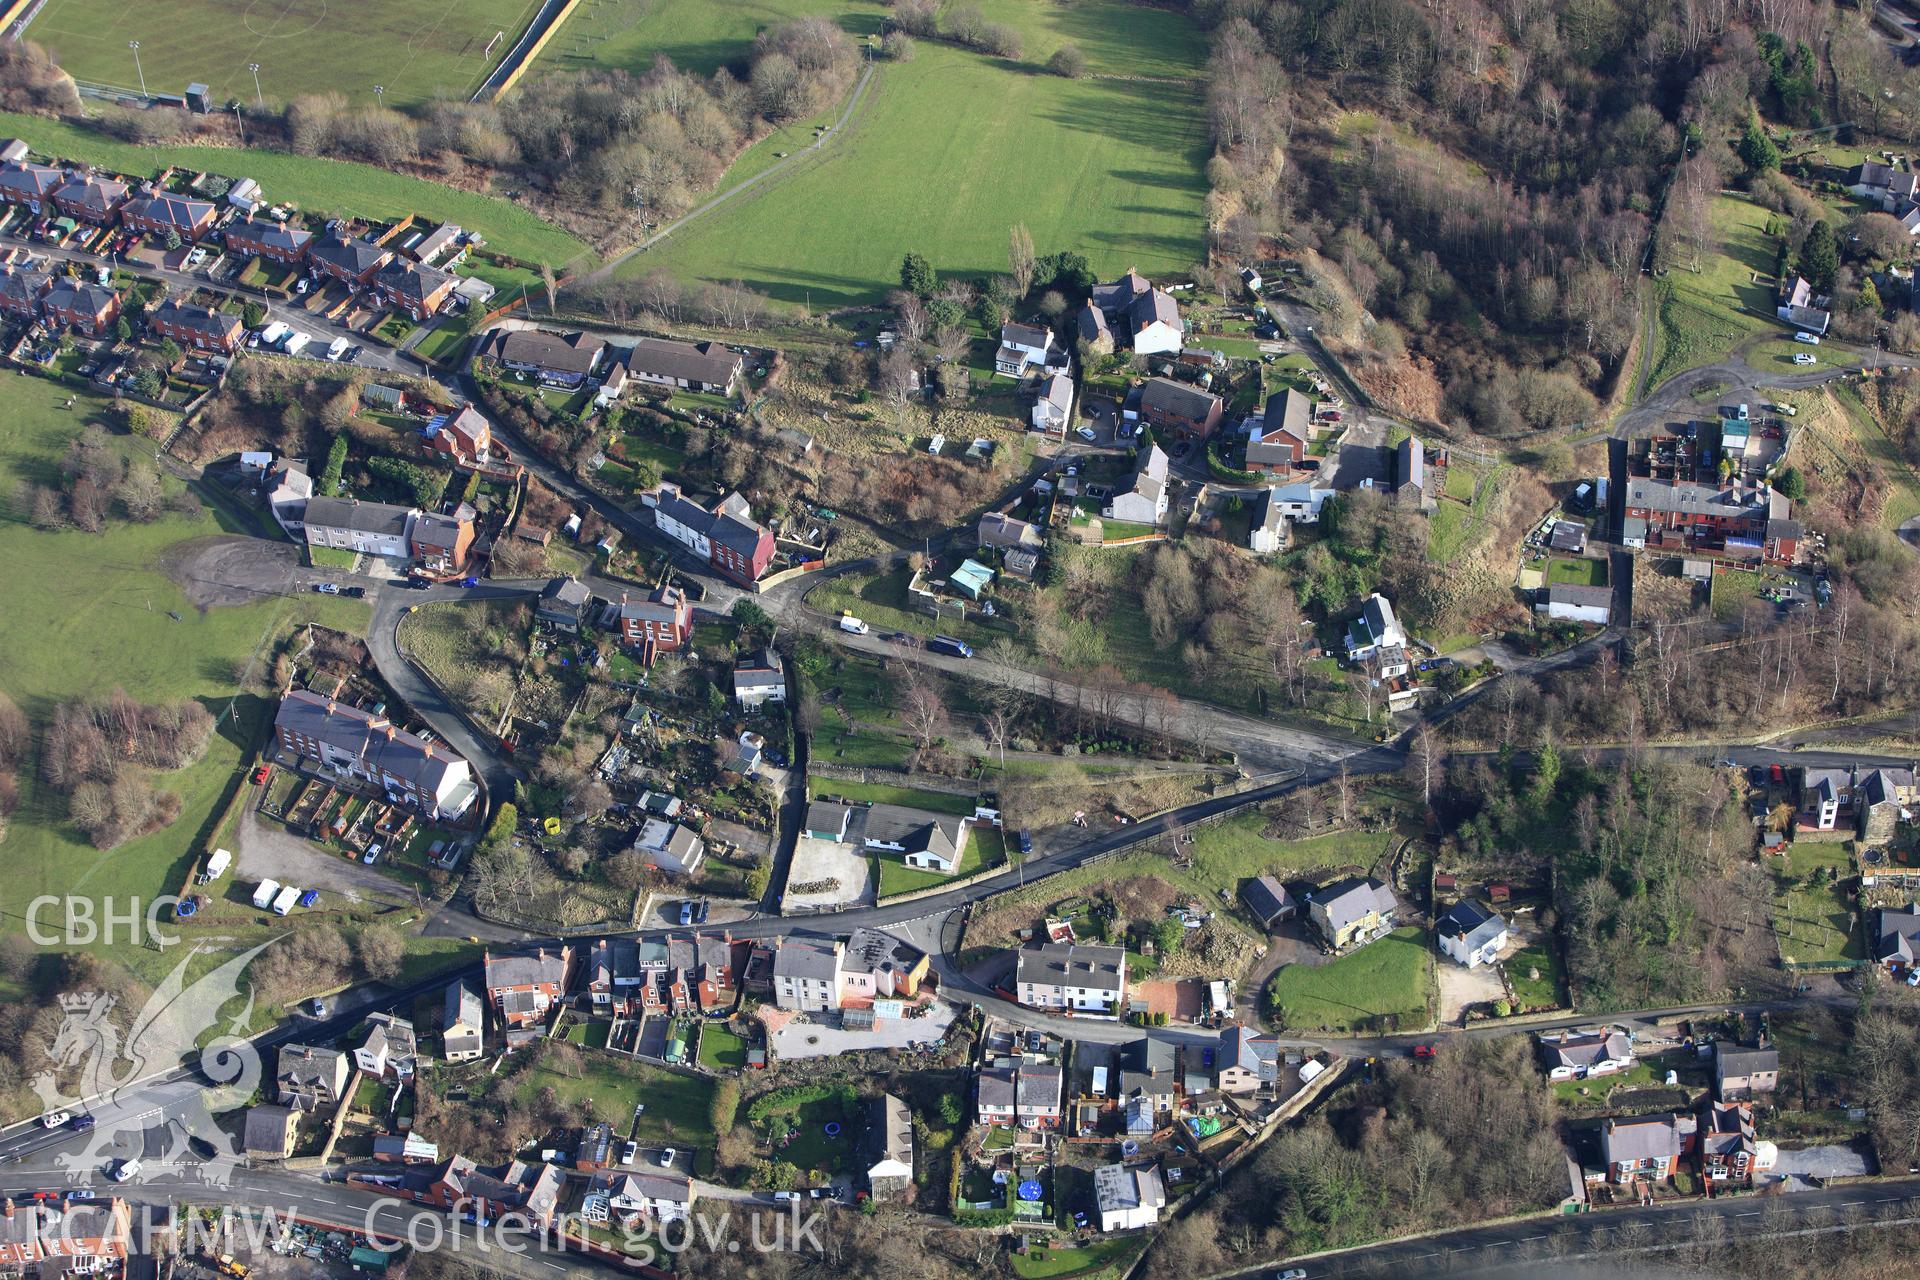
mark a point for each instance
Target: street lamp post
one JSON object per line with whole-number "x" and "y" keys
{"x": 135, "y": 46}
{"x": 241, "y": 121}
{"x": 258, "y": 99}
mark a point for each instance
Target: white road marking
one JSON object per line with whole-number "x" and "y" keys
{"x": 551, "y": 1266}
{"x": 1754, "y": 1214}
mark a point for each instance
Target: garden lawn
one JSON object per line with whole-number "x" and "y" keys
{"x": 985, "y": 851}
{"x": 443, "y": 343}
{"x": 331, "y": 557}
{"x": 1455, "y": 525}
{"x": 835, "y": 743}
{"x": 1530, "y": 992}
{"x": 1046, "y": 1261}
{"x": 317, "y": 184}
{"x": 720, "y": 1049}
{"x": 924, "y": 167}
{"x": 1814, "y": 925}
{"x": 1703, "y": 314}
{"x": 677, "y": 1105}
{"x": 881, "y": 793}
{"x": 1234, "y": 850}
{"x": 417, "y": 49}
{"x": 1360, "y": 991}
{"x": 1577, "y": 573}
{"x": 57, "y": 642}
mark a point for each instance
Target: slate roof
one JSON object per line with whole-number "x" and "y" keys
{"x": 1743, "y": 1060}
{"x": 562, "y": 353}
{"x": 1164, "y": 395}
{"x": 1690, "y": 499}
{"x": 825, "y": 815}
{"x": 1073, "y": 964}
{"x": 999, "y": 530}
{"x": 873, "y": 951}
{"x": 915, "y": 830}
{"x": 1250, "y": 1051}
{"x": 31, "y": 181}
{"x": 372, "y": 739}
{"x": 1472, "y": 923}
{"x": 526, "y": 970}
{"x": 1353, "y": 898}
{"x": 806, "y": 958}
{"x": 268, "y": 235}
{"x": 95, "y": 194}
{"x": 1155, "y": 306}
{"x": 266, "y": 1129}
{"x": 382, "y": 518}
{"x": 205, "y": 320}
{"x": 708, "y": 362}
{"x": 85, "y": 299}
{"x": 1267, "y": 898}
{"x": 411, "y": 281}
{"x": 1897, "y": 935}
{"x": 174, "y": 211}
{"x": 1636, "y": 1138}
{"x": 1092, "y": 323}
{"x": 761, "y": 669}
{"x": 354, "y": 256}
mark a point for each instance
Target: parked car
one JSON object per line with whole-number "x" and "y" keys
{"x": 373, "y": 853}
{"x": 318, "y": 1006}
{"x": 261, "y": 774}
{"x": 1811, "y": 339}
{"x": 1026, "y": 841}
{"x": 353, "y": 593}
{"x": 82, "y": 1123}
{"x": 1423, "y": 1051}
{"x": 629, "y": 1153}
{"x": 123, "y": 1170}
{"x": 1080, "y": 1219}
{"x": 469, "y": 582}
{"x": 686, "y": 912}
{"x": 1801, "y": 357}
{"x": 327, "y": 588}
{"x": 54, "y": 1119}
{"x": 1086, "y": 433}
{"x": 666, "y": 1158}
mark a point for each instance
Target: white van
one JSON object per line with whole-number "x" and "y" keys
{"x": 1811, "y": 339}
{"x": 286, "y": 900}
{"x": 852, "y": 625}
{"x": 295, "y": 343}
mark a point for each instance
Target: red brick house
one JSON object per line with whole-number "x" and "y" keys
{"x": 201, "y": 328}
{"x": 466, "y": 436}
{"x": 1278, "y": 444}
{"x": 31, "y": 185}
{"x": 269, "y": 240}
{"x": 89, "y": 308}
{"x": 352, "y": 261}
{"x": 727, "y": 537}
{"x": 440, "y": 542}
{"x": 91, "y": 199}
{"x": 418, "y": 290}
{"x": 1737, "y": 522}
{"x": 661, "y": 623}
{"x": 159, "y": 214}
{"x": 22, "y": 290}
{"x": 523, "y": 989}
{"x": 1188, "y": 412}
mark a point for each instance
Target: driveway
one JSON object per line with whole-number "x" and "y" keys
{"x": 1798, "y": 1169}
{"x": 269, "y": 851}
{"x": 844, "y": 875}
{"x": 1461, "y": 987}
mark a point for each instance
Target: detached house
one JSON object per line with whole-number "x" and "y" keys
{"x": 1470, "y": 934}
{"x": 356, "y": 746}
{"x": 564, "y": 604}
{"x": 1147, "y": 1076}
{"x": 1649, "y": 1147}
{"x": 1882, "y": 183}
{"x": 523, "y": 989}
{"x": 1376, "y": 635}
{"x": 660, "y": 623}
{"x": 1023, "y": 348}
{"x": 759, "y": 678}
{"x": 675, "y": 849}
{"x": 1247, "y": 1060}
{"x": 159, "y": 214}
{"x": 462, "y": 1025}
{"x": 1353, "y": 912}
{"x": 1053, "y": 410}
{"x": 1145, "y": 500}
{"x": 927, "y": 841}
{"x": 1128, "y": 1197}
{"x": 690, "y": 366}
{"x": 90, "y": 308}
{"x": 1897, "y": 936}
{"x": 1741, "y": 1071}
{"x": 1574, "y": 1055}
{"x": 348, "y": 259}
{"x": 91, "y": 199}
{"x": 1085, "y": 977}
{"x": 465, "y": 435}
{"x": 388, "y": 1049}
{"x": 201, "y": 328}
{"x": 1279, "y": 439}
{"x": 1186, "y": 411}
{"x": 308, "y": 1078}
{"x": 560, "y": 360}
{"x": 273, "y": 241}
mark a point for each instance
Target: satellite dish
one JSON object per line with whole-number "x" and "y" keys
{"x": 1129, "y": 1148}
{"x": 1029, "y": 1191}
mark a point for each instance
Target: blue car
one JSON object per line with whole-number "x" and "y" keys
{"x": 469, "y": 582}
{"x": 1026, "y": 842}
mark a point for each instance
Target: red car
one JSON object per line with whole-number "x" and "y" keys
{"x": 1423, "y": 1051}
{"x": 1778, "y": 774}
{"x": 261, "y": 774}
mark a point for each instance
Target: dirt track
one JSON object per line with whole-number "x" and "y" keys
{"x": 228, "y": 570}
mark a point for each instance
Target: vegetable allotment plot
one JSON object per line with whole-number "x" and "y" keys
{"x": 416, "y": 49}
{"x": 1109, "y": 168}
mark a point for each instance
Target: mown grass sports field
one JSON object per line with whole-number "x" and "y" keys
{"x": 417, "y": 49}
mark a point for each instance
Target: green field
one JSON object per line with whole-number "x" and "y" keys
{"x": 1705, "y": 313}
{"x": 1814, "y": 925}
{"x": 1530, "y": 992}
{"x": 1234, "y": 850}
{"x": 1358, "y": 992}
{"x": 316, "y": 184}
{"x": 927, "y": 166}
{"x": 416, "y": 50}
{"x": 57, "y": 641}
{"x": 881, "y": 793}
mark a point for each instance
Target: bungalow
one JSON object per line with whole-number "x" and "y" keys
{"x": 728, "y": 537}
{"x": 1269, "y": 901}
{"x": 1650, "y": 1147}
{"x": 465, "y": 436}
{"x": 355, "y": 746}
{"x": 632, "y": 1197}
{"x": 1023, "y": 347}
{"x": 673, "y": 848}
{"x": 1353, "y": 912}
{"x": 1247, "y": 1060}
{"x": 1574, "y": 1055}
{"x": 87, "y": 307}
{"x": 1154, "y": 324}
{"x": 1187, "y": 411}
{"x": 878, "y": 966}
{"x": 348, "y": 259}
{"x": 31, "y": 185}
{"x": 887, "y": 1148}
{"x": 1805, "y": 319}
{"x": 91, "y": 199}
{"x": 558, "y": 359}
{"x": 159, "y": 214}
{"x": 1144, "y": 501}
{"x": 690, "y": 366}
{"x": 461, "y": 1024}
{"x": 1741, "y": 1071}
{"x": 759, "y": 678}
{"x": 1269, "y": 533}
{"x": 1471, "y": 934}
{"x": 273, "y": 241}
{"x": 661, "y": 623}
{"x": 523, "y": 988}
{"x": 22, "y": 289}
{"x": 1053, "y": 409}
{"x": 1376, "y": 636}
{"x": 1279, "y": 440}
{"x": 1883, "y": 183}
{"x": 271, "y": 1132}
{"x": 1128, "y": 1197}
{"x": 806, "y": 973}
{"x": 927, "y": 841}
{"x": 201, "y": 328}
{"x": 308, "y": 1078}
{"x": 415, "y": 288}
{"x": 1086, "y": 977}
{"x": 1897, "y": 936}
